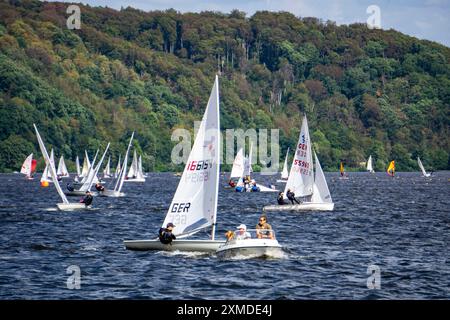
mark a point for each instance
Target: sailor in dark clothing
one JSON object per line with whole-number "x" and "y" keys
{"x": 280, "y": 199}
{"x": 70, "y": 187}
{"x": 87, "y": 200}
{"x": 291, "y": 196}
{"x": 99, "y": 187}
{"x": 165, "y": 234}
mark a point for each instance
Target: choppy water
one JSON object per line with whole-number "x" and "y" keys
{"x": 402, "y": 225}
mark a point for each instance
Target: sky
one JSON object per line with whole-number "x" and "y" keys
{"x": 424, "y": 19}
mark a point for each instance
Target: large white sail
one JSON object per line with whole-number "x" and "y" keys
{"x": 248, "y": 162}
{"x": 140, "y": 172}
{"x": 107, "y": 170}
{"x": 285, "y": 172}
{"x": 194, "y": 205}
{"x": 321, "y": 192}
{"x": 301, "y": 177}
{"x": 26, "y": 166}
{"x": 51, "y": 166}
{"x": 116, "y": 174}
{"x": 424, "y": 173}
{"x": 237, "y": 171}
{"x": 369, "y": 164}
{"x": 62, "y": 169}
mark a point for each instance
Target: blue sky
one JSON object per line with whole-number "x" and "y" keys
{"x": 424, "y": 19}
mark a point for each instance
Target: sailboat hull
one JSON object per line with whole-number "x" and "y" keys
{"x": 135, "y": 180}
{"x": 111, "y": 193}
{"x": 305, "y": 206}
{"x": 266, "y": 189}
{"x": 70, "y": 206}
{"x": 75, "y": 193}
{"x": 281, "y": 181}
{"x": 180, "y": 245}
{"x": 250, "y": 248}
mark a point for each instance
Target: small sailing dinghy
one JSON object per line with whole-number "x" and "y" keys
{"x": 135, "y": 173}
{"x": 194, "y": 205}
{"x": 391, "y": 169}
{"x": 237, "y": 171}
{"x": 107, "y": 170}
{"x": 344, "y": 175}
{"x": 370, "y": 165}
{"x": 285, "y": 171}
{"x": 121, "y": 176}
{"x": 65, "y": 205}
{"x": 29, "y": 167}
{"x": 313, "y": 189}
{"x": 62, "y": 171}
{"x": 424, "y": 173}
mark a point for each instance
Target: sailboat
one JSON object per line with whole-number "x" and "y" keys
{"x": 424, "y": 173}
{"x": 29, "y": 167}
{"x": 107, "y": 170}
{"x": 285, "y": 171}
{"x": 117, "y": 172}
{"x": 391, "y": 169}
{"x": 194, "y": 205}
{"x": 140, "y": 169}
{"x": 46, "y": 178}
{"x": 121, "y": 176}
{"x": 237, "y": 171}
{"x": 65, "y": 205}
{"x": 62, "y": 169}
{"x": 369, "y": 165}
{"x": 342, "y": 172}
{"x": 313, "y": 189}
{"x": 134, "y": 174}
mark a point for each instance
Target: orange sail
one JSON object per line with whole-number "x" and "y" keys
{"x": 341, "y": 169}
{"x": 391, "y": 169}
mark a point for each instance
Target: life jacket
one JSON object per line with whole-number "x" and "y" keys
{"x": 164, "y": 236}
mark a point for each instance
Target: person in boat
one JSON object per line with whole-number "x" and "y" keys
{"x": 70, "y": 187}
{"x": 263, "y": 225}
{"x": 229, "y": 235}
{"x": 254, "y": 187}
{"x": 99, "y": 187}
{"x": 242, "y": 233}
{"x": 166, "y": 234}
{"x": 87, "y": 200}
{"x": 231, "y": 183}
{"x": 240, "y": 187}
{"x": 291, "y": 196}
{"x": 280, "y": 198}
{"x": 58, "y": 177}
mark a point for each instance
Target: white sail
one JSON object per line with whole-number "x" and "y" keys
{"x": 301, "y": 178}
{"x": 194, "y": 205}
{"x": 133, "y": 168}
{"x": 116, "y": 174}
{"x": 285, "y": 172}
{"x": 90, "y": 177}
{"x": 140, "y": 173}
{"x": 86, "y": 165}
{"x": 107, "y": 170}
{"x": 51, "y": 166}
{"x": 369, "y": 164}
{"x": 321, "y": 192}
{"x": 45, "y": 175}
{"x": 26, "y": 166}
{"x": 424, "y": 173}
{"x": 77, "y": 163}
{"x": 52, "y": 160}
{"x": 237, "y": 170}
{"x": 123, "y": 170}
{"x": 62, "y": 169}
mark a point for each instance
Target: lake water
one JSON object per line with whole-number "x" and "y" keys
{"x": 399, "y": 226}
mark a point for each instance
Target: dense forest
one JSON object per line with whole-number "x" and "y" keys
{"x": 364, "y": 91}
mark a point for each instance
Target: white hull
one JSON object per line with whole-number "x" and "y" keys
{"x": 305, "y": 206}
{"x": 266, "y": 189}
{"x": 180, "y": 245}
{"x": 250, "y": 248}
{"x": 71, "y": 206}
{"x": 111, "y": 193}
{"x": 135, "y": 180}
{"x": 281, "y": 181}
